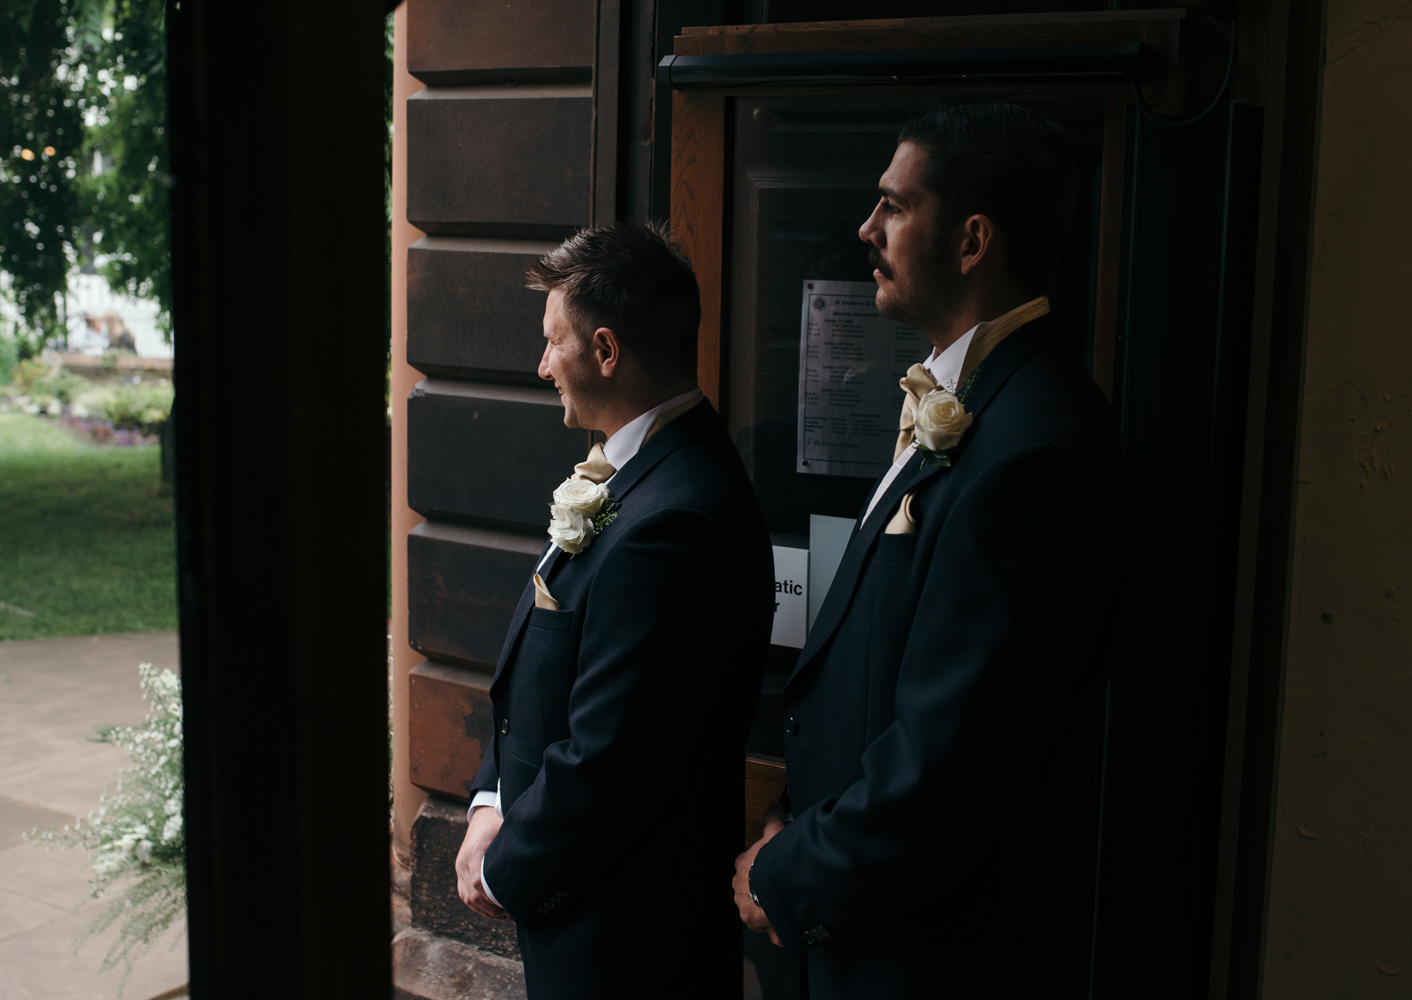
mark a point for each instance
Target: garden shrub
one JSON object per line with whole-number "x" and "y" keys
{"x": 28, "y": 372}
{"x": 36, "y": 382}
{"x": 141, "y": 407}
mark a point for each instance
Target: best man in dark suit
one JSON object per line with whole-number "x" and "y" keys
{"x": 945, "y": 689}
{"x": 630, "y": 674}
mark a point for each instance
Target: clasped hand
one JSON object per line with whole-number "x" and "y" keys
{"x": 753, "y": 916}
{"x": 484, "y": 825}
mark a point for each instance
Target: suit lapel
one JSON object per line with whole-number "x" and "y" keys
{"x": 667, "y": 440}
{"x": 845, "y": 580}
{"x": 1002, "y": 362}
{"x": 522, "y": 610}
{"x": 684, "y": 428}
{"x": 1007, "y": 358}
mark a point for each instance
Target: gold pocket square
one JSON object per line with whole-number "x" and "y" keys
{"x": 902, "y": 523}
{"x": 541, "y": 595}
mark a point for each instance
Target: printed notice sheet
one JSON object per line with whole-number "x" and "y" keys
{"x": 850, "y": 361}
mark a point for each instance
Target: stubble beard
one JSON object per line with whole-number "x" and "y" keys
{"x": 927, "y": 296}
{"x": 580, "y": 392}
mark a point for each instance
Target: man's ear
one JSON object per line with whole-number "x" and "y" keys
{"x": 606, "y": 351}
{"x": 978, "y": 239}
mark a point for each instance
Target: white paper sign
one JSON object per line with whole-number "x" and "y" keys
{"x": 791, "y": 597}
{"x": 850, "y": 361}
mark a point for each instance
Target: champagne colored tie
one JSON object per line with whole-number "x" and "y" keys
{"x": 916, "y": 384}
{"x": 595, "y": 467}
{"x": 918, "y": 381}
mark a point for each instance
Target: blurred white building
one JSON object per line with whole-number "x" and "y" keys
{"x": 98, "y": 318}
{"x": 93, "y": 313}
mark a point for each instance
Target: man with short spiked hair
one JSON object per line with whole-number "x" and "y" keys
{"x": 630, "y": 674}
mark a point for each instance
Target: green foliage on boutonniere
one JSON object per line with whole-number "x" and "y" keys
{"x": 606, "y": 516}
{"x": 964, "y": 393}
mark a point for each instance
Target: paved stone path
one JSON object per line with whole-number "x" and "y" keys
{"x": 53, "y": 692}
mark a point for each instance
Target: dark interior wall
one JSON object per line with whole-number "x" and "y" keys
{"x": 1185, "y": 325}
{"x": 278, "y": 212}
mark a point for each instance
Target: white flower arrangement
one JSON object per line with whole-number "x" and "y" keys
{"x": 941, "y": 421}
{"x": 137, "y": 833}
{"x": 580, "y": 511}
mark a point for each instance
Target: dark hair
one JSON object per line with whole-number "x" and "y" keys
{"x": 633, "y": 279}
{"x": 1007, "y": 163}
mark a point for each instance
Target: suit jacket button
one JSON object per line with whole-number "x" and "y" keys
{"x": 504, "y": 727}
{"x": 562, "y": 895}
{"x": 542, "y": 912}
{"x": 792, "y": 727}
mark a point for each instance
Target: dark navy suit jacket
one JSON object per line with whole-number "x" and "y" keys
{"x": 621, "y": 722}
{"x": 943, "y": 690}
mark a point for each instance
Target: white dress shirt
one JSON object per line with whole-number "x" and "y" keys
{"x": 619, "y": 449}
{"x": 946, "y": 369}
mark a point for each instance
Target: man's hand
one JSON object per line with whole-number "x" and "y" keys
{"x": 484, "y": 825}
{"x": 753, "y": 916}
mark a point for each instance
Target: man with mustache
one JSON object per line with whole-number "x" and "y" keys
{"x": 943, "y": 691}
{"x": 630, "y": 673}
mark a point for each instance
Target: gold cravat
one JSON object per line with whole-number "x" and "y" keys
{"x": 595, "y": 467}
{"x": 918, "y": 381}
{"x": 916, "y": 384}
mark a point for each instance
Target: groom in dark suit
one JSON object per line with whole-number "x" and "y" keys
{"x": 629, "y": 677}
{"x": 944, "y": 690}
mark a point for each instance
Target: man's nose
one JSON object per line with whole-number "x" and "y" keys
{"x": 870, "y": 231}
{"x": 544, "y": 371}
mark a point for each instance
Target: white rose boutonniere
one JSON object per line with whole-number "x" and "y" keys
{"x": 940, "y": 422}
{"x": 579, "y": 513}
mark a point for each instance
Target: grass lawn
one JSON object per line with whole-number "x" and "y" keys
{"x": 87, "y": 541}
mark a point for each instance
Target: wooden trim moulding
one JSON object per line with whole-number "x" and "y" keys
{"x": 698, "y": 218}
{"x": 1162, "y": 30}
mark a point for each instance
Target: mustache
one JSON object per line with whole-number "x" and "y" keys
{"x": 875, "y": 258}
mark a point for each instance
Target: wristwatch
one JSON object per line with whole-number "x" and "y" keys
{"x": 750, "y": 888}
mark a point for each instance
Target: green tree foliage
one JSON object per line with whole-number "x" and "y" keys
{"x": 41, "y": 149}
{"x": 127, "y": 200}
{"x": 83, "y": 149}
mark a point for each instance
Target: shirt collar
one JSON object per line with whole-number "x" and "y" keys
{"x": 627, "y": 442}
{"x": 946, "y": 366}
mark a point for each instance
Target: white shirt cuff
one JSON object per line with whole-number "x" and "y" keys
{"x": 482, "y": 798}
{"x": 486, "y": 798}
{"x": 485, "y": 886}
